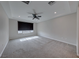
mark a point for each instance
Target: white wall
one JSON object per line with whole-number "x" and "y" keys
{"x": 4, "y": 30}
{"x": 62, "y": 29}
{"x": 13, "y": 30}
{"x": 77, "y": 45}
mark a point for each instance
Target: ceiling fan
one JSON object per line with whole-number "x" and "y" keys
{"x": 34, "y": 15}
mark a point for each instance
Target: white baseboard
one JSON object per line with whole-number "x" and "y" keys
{"x": 59, "y": 40}
{"x": 3, "y": 49}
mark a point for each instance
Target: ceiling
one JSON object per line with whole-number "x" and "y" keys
{"x": 14, "y": 9}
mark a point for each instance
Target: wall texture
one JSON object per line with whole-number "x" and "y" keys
{"x": 61, "y": 29}
{"x": 4, "y": 30}
{"x": 13, "y": 30}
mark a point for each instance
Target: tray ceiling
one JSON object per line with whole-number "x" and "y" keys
{"x": 19, "y": 11}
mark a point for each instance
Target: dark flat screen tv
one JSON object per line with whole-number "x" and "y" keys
{"x": 24, "y": 26}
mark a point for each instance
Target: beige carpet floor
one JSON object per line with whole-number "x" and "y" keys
{"x": 38, "y": 47}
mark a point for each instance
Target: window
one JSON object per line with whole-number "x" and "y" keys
{"x": 25, "y": 27}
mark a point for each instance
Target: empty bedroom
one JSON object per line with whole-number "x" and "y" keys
{"x": 39, "y": 29}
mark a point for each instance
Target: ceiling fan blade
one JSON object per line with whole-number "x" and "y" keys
{"x": 39, "y": 16}
{"x": 39, "y": 13}
{"x": 34, "y": 11}
{"x": 33, "y": 15}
